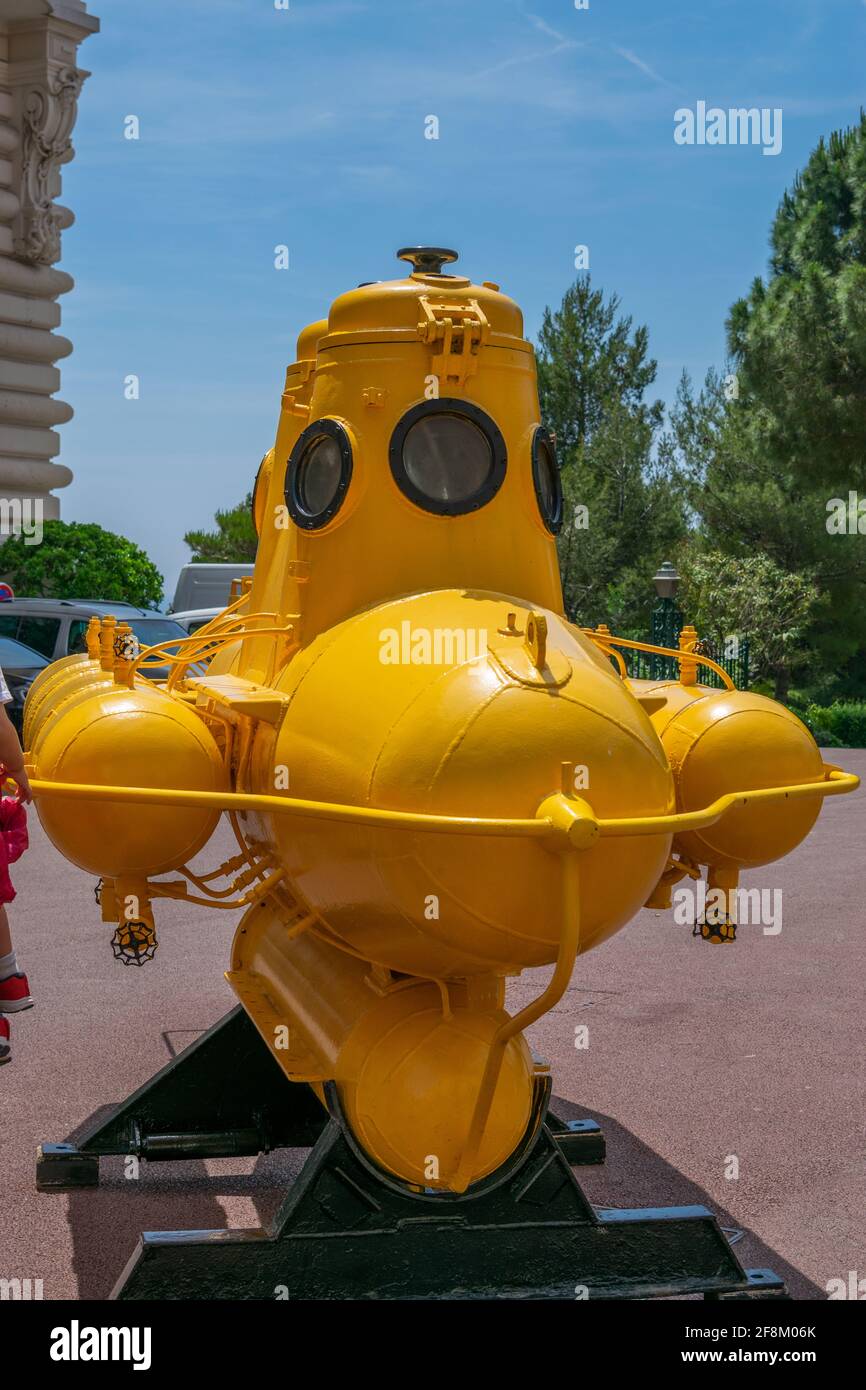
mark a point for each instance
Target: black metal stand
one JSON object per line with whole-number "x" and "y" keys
{"x": 346, "y": 1230}
{"x": 223, "y": 1097}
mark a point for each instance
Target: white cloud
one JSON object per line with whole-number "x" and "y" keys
{"x": 520, "y": 58}
{"x": 637, "y": 62}
{"x": 549, "y": 31}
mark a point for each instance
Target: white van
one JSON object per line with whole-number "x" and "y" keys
{"x": 206, "y": 586}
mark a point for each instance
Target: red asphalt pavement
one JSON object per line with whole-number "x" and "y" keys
{"x": 696, "y": 1053}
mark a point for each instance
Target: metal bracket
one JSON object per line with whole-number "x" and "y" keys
{"x": 462, "y": 329}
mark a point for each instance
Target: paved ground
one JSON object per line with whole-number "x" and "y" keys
{"x": 695, "y": 1053}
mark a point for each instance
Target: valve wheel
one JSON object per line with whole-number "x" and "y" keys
{"x": 717, "y": 933}
{"x": 134, "y": 943}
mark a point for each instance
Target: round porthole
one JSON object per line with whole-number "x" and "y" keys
{"x": 545, "y": 476}
{"x": 318, "y": 474}
{"x": 260, "y": 491}
{"x": 448, "y": 457}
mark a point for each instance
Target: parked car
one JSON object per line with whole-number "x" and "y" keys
{"x": 205, "y": 586}
{"x": 20, "y": 665}
{"x": 58, "y": 627}
{"x": 196, "y": 618}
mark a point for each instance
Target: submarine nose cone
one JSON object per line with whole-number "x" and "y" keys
{"x": 427, "y": 260}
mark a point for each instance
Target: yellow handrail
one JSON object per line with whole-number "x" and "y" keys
{"x": 606, "y": 640}
{"x": 283, "y": 805}
{"x": 611, "y": 651}
{"x": 833, "y": 783}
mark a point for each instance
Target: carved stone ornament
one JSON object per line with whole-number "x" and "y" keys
{"x": 48, "y": 115}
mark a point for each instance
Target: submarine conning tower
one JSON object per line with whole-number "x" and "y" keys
{"x": 413, "y": 405}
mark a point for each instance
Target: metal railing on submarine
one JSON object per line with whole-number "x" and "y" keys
{"x": 564, "y": 823}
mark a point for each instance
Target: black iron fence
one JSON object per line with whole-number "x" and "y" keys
{"x": 732, "y": 655}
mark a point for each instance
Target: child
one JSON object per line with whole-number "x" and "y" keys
{"x": 14, "y": 989}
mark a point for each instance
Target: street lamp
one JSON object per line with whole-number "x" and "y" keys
{"x": 667, "y": 581}
{"x": 666, "y": 620}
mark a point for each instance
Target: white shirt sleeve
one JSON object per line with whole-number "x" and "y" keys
{"x": 5, "y": 693}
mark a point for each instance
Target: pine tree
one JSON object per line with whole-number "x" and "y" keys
{"x": 234, "y": 539}
{"x": 621, "y": 512}
{"x": 799, "y": 341}
{"x": 764, "y": 461}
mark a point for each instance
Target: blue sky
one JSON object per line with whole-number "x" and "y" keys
{"x": 305, "y": 127}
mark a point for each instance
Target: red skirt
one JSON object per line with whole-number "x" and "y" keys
{"x": 13, "y": 841}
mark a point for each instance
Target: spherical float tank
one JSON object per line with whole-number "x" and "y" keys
{"x": 723, "y": 740}
{"x": 734, "y": 740}
{"x": 54, "y": 685}
{"x": 128, "y": 738}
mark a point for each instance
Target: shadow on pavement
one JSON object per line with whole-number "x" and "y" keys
{"x": 634, "y": 1175}
{"x": 106, "y": 1222}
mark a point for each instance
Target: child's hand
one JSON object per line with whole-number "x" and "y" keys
{"x": 24, "y": 793}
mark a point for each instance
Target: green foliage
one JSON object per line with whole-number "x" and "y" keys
{"x": 81, "y": 560}
{"x": 588, "y": 362}
{"x": 622, "y": 513}
{"x": 752, "y": 595}
{"x": 749, "y": 503}
{"x": 234, "y": 539}
{"x": 765, "y": 468}
{"x": 800, "y": 340}
{"x": 840, "y": 725}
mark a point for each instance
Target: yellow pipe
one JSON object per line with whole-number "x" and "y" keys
{"x": 159, "y": 654}
{"x": 258, "y": 890}
{"x": 215, "y": 635}
{"x": 569, "y": 945}
{"x": 540, "y": 827}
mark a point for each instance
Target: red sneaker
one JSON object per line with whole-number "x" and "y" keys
{"x": 15, "y": 994}
{"x": 5, "y": 1049}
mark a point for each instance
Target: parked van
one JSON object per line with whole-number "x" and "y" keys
{"x": 206, "y": 586}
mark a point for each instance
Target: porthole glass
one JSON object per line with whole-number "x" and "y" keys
{"x": 318, "y": 474}
{"x": 448, "y": 457}
{"x": 548, "y": 485}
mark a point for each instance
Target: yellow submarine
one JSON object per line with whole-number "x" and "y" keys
{"x": 435, "y": 779}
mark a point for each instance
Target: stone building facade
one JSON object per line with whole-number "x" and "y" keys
{"x": 40, "y": 82}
